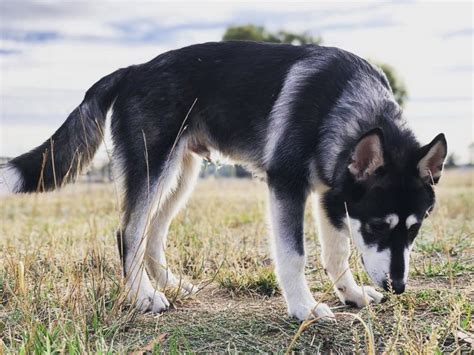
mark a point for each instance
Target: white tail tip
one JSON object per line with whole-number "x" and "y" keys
{"x": 10, "y": 180}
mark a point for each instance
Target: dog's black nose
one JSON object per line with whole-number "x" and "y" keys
{"x": 397, "y": 286}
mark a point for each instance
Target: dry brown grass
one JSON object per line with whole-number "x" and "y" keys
{"x": 60, "y": 284}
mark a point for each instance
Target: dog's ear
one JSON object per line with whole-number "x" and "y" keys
{"x": 367, "y": 155}
{"x": 430, "y": 159}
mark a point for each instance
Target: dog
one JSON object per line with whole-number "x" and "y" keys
{"x": 314, "y": 121}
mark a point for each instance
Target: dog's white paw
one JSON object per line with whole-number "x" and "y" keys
{"x": 359, "y": 296}
{"x": 310, "y": 310}
{"x": 151, "y": 301}
{"x": 167, "y": 279}
{"x": 187, "y": 288}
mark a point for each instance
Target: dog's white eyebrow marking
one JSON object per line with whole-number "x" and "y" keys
{"x": 392, "y": 219}
{"x": 411, "y": 220}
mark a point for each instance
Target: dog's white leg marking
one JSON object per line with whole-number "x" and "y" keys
{"x": 155, "y": 255}
{"x": 290, "y": 265}
{"x": 335, "y": 252}
{"x": 139, "y": 287}
{"x": 11, "y": 180}
{"x": 140, "y": 290}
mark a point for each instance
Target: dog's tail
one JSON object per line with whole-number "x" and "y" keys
{"x": 60, "y": 159}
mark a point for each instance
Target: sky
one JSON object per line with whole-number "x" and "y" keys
{"x": 51, "y": 52}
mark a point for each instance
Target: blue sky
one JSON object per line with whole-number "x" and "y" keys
{"x": 52, "y": 52}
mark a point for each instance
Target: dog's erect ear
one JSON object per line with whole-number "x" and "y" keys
{"x": 367, "y": 155}
{"x": 430, "y": 159}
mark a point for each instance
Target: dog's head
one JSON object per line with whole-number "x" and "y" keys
{"x": 387, "y": 197}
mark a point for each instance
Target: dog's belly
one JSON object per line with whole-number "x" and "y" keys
{"x": 215, "y": 156}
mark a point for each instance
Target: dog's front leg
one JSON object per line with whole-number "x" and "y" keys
{"x": 335, "y": 252}
{"x": 287, "y": 214}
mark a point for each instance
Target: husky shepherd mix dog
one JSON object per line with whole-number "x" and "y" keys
{"x": 313, "y": 121}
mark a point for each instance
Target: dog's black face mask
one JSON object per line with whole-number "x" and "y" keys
{"x": 386, "y": 203}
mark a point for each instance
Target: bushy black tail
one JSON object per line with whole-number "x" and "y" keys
{"x": 59, "y": 160}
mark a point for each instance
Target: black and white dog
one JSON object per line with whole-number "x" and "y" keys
{"x": 314, "y": 121}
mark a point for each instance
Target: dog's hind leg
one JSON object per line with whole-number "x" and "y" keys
{"x": 155, "y": 252}
{"x": 335, "y": 252}
{"x": 146, "y": 189}
{"x": 287, "y": 204}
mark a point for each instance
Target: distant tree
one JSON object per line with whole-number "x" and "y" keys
{"x": 260, "y": 34}
{"x": 398, "y": 86}
{"x": 471, "y": 154}
{"x": 451, "y": 161}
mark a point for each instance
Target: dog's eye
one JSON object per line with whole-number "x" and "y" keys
{"x": 379, "y": 227}
{"x": 413, "y": 230}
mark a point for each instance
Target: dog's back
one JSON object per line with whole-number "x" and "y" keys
{"x": 241, "y": 88}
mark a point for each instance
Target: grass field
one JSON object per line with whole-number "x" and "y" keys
{"x": 60, "y": 280}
